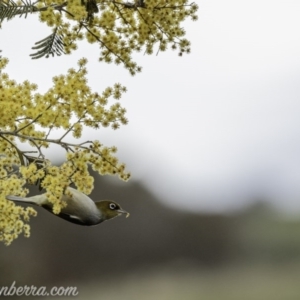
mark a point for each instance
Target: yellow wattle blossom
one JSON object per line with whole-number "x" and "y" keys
{"x": 119, "y": 28}
{"x": 29, "y": 116}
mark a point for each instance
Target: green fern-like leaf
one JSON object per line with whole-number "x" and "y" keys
{"x": 9, "y": 9}
{"x": 51, "y": 45}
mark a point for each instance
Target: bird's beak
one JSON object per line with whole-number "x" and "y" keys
{"x": 121, "y": 211}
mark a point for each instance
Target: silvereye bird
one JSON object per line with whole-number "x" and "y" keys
{"x": 80, "y": 208}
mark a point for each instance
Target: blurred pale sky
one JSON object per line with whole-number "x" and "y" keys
{"x": 212, "y": 130}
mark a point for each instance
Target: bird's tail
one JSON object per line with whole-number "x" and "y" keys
{"x": 19, "y": 199}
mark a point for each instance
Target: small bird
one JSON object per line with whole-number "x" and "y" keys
{"x": 80, "y": 208}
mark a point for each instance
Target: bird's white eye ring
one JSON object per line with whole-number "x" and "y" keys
{"x": 112, "y": 206}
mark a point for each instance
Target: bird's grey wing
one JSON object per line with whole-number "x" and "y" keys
{"x": 65, "y": 216}
{"x": 77, "y": 220}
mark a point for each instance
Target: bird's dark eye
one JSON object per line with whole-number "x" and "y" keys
{"x": 112, "y": 206}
